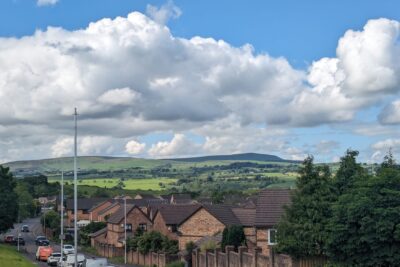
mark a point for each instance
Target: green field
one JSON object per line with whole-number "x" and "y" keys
{"x": 10, "y": 257}
{"x": 131, "y": 184}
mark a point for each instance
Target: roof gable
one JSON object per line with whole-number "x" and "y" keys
{"x": 270, "y": 206}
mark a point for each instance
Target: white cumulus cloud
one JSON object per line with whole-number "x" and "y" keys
{"x": 164, "y": 13}
{"x": 133, "y": 147}
{"x": 46, "y": 2}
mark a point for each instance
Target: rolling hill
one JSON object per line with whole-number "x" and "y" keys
{"x": 237, "y": 157}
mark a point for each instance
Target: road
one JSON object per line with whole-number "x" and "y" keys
{"x": 30, "y": 247}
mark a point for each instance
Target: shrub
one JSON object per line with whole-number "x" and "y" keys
{"x": 176, "y": 264}
{"x": 233, "y": 236}
{"x": 209, "y": 245}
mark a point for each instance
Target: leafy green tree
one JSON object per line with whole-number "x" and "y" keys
{"x": 8, "y": 200}
{"x": 51, "y": 219}
{"x": 365, "y": 228}
{"x": 233, "y": 236}
{"x": 302, "y": 231}
{"x": 92, "y": 227}
{"x": 27, "y": 206}
{"x": 349, "y": 172}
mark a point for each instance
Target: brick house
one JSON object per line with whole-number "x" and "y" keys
{"x": 104, "y": 214}
{"x": 269, "y": 210}
{"x": 84, "y": 206}
{"x": 135, "y": 218}
{"x": 193, "y": 222}
{"x": 94, "y": 211}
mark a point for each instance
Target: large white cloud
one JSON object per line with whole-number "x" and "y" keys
{"x": 129, "y": 76}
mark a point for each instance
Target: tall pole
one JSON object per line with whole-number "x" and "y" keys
{"x": 18, "y": 230}
{"x": 125, "y": 226}
{"x": 62, "y": 211}
{"x": 75, "y": 190}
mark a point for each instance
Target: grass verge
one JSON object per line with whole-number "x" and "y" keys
{"x": 9, "y": 256}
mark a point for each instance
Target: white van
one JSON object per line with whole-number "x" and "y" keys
{"x": 69, "y": 260}
{"x": 96, "y": 262}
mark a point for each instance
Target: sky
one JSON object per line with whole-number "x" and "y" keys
{"x": 163, "y": 79}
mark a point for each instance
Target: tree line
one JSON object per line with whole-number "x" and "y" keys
{"x": 351, "y": 217}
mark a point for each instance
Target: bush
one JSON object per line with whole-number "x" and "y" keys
{"x": 209, "y": 245}
{"x": 153, "y": 241}
{"x": 176, "y": 264}
{"x": 233, "y": 236}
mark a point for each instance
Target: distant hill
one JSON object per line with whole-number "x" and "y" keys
{"x": 236, "y": 157}
{"x": 97, "y": 164}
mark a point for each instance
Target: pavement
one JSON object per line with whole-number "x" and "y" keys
{"x": 29, "y": 250}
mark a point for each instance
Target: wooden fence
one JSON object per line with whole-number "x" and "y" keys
{"x": 135, "y": 257}
{"x": 245, "y": 258}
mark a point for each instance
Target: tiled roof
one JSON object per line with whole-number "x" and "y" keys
{"x": 176, "y": 214}
{"x": 270, "y": 205}
{"x": 84, "y": 203}
{"x": 109, "y": 207}
{"x": 101, "y": 203}
{"x": 223, "y": 213}
{"x": 119, "y": 215}
{"x": 147, "y": 196}
{"x": 100, "y": 232}
{"x": 245, "y": 216}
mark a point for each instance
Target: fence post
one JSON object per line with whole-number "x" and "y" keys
{"x": 216, "y": 253}
{"x": 257, "y": 250}
{"x": 228, "y": 250}
{"x": 241, "y": 249}
{"x": 151, "y": 258}
{"x": 271, "y": 256}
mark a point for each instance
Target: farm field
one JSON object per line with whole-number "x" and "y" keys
{"x": 130, "y": 184}
{"x": 10, "y": 257}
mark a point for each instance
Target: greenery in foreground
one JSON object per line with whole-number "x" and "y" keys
{"x": 352, "y": 217}
{"x": 10, "y": 257}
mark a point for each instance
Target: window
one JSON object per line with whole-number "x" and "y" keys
{"x": 128, "y": 227}
{"x": 143, "y": 227}
{"x": 272, "y": 238}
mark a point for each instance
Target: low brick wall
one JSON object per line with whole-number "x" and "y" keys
{"x": 135, "y": 257}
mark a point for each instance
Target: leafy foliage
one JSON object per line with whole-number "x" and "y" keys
{"x": 90, "y": 229}
{"x": 365, "y": 227}
{"x": 8, "y": 200}
{"x": 303, "y": 229}
{"x": 152, "y": 241}
{"x": 51, "y": 219}
{"x": 233, "y": 236}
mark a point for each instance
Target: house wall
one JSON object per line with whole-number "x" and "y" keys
{"x": 262, "y": 239}
{"x": 115, "y": 231}
{"x": 102, "y": 217}
{"x": 81, "y": 216}
{"x": 200, "y": 224}
{"x": 250, "y": 233}
{"x": 95, "y": 212}
{"x": 160, "y": 226}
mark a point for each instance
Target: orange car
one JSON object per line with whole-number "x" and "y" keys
{"x": 43, "y": 253}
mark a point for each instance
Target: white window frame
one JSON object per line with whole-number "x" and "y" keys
{"x": 269, "y": 236}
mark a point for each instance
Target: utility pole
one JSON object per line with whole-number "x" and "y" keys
{"x": 75, "y": 190}
{"x": 62, "y": 211}
{"x": 125, "y": 226}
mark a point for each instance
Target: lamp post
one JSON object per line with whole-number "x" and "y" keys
{"x": 125, "y": 227}
{"x": 75, "y": 190}
{"x": 62, "y": 210}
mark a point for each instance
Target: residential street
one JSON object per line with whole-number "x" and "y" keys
{"x": 30, "y": 247}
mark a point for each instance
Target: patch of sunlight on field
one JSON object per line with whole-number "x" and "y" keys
{"x": 10, "y": 257}
{"x": 130, "y": 184}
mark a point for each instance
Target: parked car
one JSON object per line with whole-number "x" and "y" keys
{"x": 8, "y": 239}
{"x": 69, "y": 260}
{"x": 43, "y": 253}
{"x": 68, "y": 249}
{"x": 20, "y": 240}
{"x": 25, "y": 229}
{"x": 38, "y": 238}
{"x": 54, "y": 259}
{"x": 96, "y": 262}
{"x": 42, "y": 241}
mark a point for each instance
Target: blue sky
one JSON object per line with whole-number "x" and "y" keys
{"x": 299, "y": 32}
